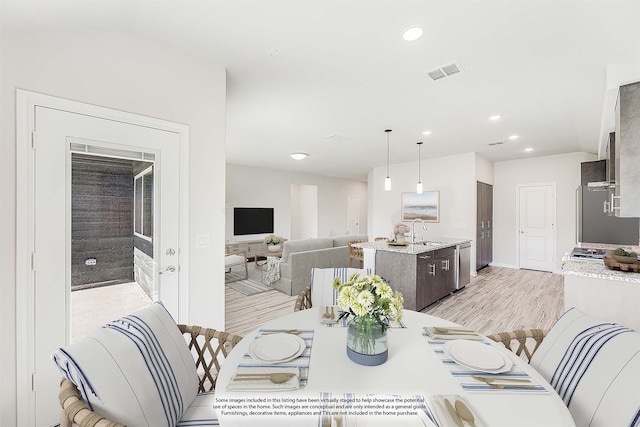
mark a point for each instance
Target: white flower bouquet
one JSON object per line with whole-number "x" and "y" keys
{"x": 400, "y": 228}
{"x": 369, "y": 300}
{"x": 272, "y": 239}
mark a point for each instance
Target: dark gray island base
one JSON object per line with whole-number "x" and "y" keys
{"x": 424, "y": 272}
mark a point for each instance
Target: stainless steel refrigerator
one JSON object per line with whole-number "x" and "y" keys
{"x": 595, "y": 226}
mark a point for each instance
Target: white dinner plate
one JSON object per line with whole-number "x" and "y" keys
{"x": 277, "y": 348}
{"x": 477, "y": 356}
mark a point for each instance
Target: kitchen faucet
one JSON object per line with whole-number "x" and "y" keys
{"x": 413, "y": 232}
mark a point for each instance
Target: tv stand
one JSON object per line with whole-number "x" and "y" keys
{"x": 250, "y": 247}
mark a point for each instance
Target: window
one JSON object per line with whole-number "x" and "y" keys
{"x": 143, "y": 204}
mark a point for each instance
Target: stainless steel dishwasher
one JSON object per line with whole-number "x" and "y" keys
{"x": 463, "y": 265}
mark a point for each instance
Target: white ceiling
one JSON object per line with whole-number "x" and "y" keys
{"x": 343, "y": 69}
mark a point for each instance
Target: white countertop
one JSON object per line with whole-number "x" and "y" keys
{"x": 413, "y": 249}
{"x": 597, "y": 270}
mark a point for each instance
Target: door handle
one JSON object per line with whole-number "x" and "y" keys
{"x": 445, "y": 264}
{"x": 433, "y": 269}
{"x": 169, "y": 269}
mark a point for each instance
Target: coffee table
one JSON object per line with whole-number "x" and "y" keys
{"x": 265, "y": 254}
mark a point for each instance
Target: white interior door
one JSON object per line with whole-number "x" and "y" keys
{"x": 537, "y": 227}
{"x": 353, "y": 214}
{"x": 55, "y": 130}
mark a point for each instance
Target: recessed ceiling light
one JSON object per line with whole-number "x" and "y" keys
{"x": 496, "y": 117}
{"x": 514, "y": 137}
{"x": 528, "y": 149}
{"x": 299, "y": 156}
{"x": 412, "y": 34}
{"x": 427, "y": 132}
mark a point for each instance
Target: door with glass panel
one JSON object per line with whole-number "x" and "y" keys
{"x": 106, "y": 203}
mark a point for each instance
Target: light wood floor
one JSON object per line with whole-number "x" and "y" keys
{"x": 94, "y": 307}
{"x": 498, "y": 299}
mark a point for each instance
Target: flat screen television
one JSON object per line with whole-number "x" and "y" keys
{"x": 252, "y": 221}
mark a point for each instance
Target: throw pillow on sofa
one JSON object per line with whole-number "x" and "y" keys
{"x": 136, "y": 370}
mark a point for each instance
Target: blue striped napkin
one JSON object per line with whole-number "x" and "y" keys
{"x": 464, "y": 375}
{"x": 301, "y": 362}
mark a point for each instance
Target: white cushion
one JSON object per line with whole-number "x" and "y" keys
{"x": 595, "y": 368}
{"x": 322, "y": 291}
{"x": 201, "y": 412}
{"x": 137, "y": 370}
{"x": 231, "y": 260}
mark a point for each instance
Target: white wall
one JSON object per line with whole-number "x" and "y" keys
{"x": 453, "y": 176}
{"x": 484, "y": 169}
{"x": 308, "y": 220}
{"x": 259, "y": 187}
{"x": 564, "y": 170}
{"x": 125, "y": 72}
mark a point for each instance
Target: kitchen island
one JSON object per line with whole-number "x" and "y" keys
{"x": 607, "y": 294}
{"x": 423, "y": 272}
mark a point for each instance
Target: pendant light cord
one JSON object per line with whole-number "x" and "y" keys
{"x": 419, "y": 155}
{"x": 388, "y": 131}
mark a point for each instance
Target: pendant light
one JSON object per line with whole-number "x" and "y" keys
{"x": 419, "y": 186}
{"x": 387, "y": 180}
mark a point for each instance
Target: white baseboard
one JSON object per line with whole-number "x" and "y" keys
{"x": 499, "y": 264}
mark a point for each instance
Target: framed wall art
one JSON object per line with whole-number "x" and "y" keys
{"x": 425, "y": 206}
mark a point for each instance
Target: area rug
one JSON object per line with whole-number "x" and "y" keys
{"x": 248, "y": 287}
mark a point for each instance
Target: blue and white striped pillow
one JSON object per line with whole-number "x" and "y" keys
{"x": 595, "y": 368}
{"x": 136, "y": 370}
{"x": 322, "y": 291}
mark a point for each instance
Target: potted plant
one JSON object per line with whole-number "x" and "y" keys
{"x": 273, "y": 242}
{"x": 372, "y": 304}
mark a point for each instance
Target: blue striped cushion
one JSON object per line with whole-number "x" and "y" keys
{"x": 136, "y": 370}
{"x": 322, "y": 291}
{"x": 595, "y": 368}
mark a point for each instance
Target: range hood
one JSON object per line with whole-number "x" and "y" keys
{"x": 593, "y": 175}
{"x": 599, "y": 186}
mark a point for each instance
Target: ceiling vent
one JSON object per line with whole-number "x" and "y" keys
{"x": 337, "y": 138}
{"x": 443, "y": 71}
{"x": 491, "y": 144}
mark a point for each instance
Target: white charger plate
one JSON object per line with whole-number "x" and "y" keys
{"x": 477, "y": 356}
{"x": 277, "y": 348}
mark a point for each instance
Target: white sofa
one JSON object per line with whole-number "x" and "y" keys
{"x": 300, "y": 256}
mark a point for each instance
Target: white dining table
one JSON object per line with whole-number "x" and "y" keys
{"x": 412, "y": 368}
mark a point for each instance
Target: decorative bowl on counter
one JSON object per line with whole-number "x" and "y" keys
{"x": 625, "y": 259}
{"x": 621, "y": 255}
